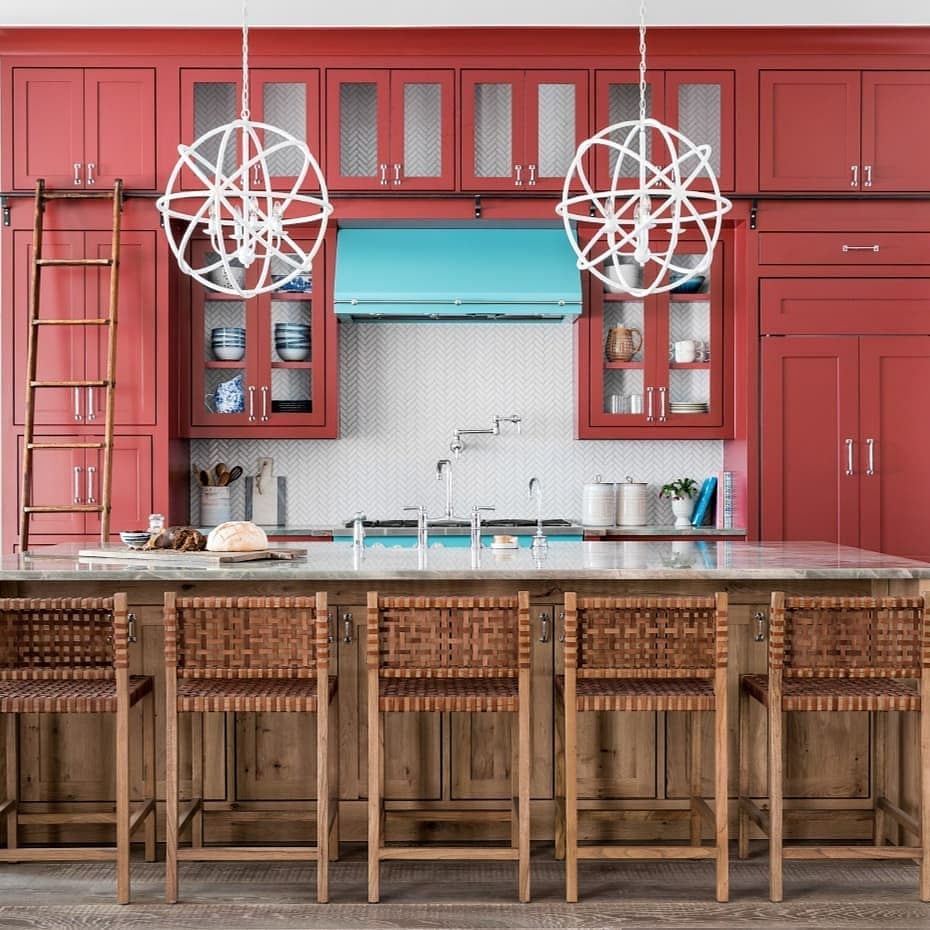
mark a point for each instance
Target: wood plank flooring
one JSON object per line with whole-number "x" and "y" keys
{"x": 420, "y": 895}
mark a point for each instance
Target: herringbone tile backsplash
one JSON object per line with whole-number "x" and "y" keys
{"x": 405, "y": 386}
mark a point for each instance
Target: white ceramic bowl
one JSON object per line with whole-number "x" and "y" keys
{"x": 293, "y": 355}
{"x": 229, "y": 353}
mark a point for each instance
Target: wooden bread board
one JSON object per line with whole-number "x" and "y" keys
{"x": 190, "y": 559}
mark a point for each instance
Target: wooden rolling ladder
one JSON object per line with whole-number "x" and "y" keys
{"x": 30, "y": 446}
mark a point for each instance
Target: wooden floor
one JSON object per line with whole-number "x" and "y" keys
{"x": 279, "y": 896}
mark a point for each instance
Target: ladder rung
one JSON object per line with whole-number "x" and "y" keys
{"x": 76, "y": 508}
{"x": 67, "y": 384}
{"x": 66, "y": 445}
{"x": 102, "y": 321}
{"x": 74, "y": 261}
{"x": 78, "y": 195}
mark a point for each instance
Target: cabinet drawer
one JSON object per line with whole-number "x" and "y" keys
{"x": 856, "y": 249}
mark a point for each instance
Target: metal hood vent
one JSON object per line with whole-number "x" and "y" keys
{"x": 440, "y": 274}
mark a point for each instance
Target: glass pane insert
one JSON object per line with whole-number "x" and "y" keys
{"x": 622, "y": 107}
{"x": 699, "y": 120}
{"x": 556, "y": 142}
{"x": 493, "y": 130}
{"x": 358, "y": 130}
{"x": 291, "y": 341}
{"x": 623, "y": 386}
{"x": 285, "y": 106}
{"x": 422, "y": 130}
{"x": 215, "y": 104}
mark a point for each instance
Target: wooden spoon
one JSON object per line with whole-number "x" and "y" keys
{"x": 205, "y": 478}
{"x": 219, "y": 470}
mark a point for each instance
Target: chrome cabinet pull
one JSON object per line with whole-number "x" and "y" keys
{"x": 255, "y": 175}
{"x": 862, "y": 248}
{"x": 397, "y": 173}
{"x": 384, "y": 174}
{"x": 868, "y": 176}
{"x": 77, "y": 173}
{"x": 850, "y": 470}
{"x": 347, "y": 634}
{"x": 77, "y": 484}
{"x": 532, "y": 181}
{"x": 544, "y": 635}
{"x": 131, "y": 635}
{"x": 251, "y": 403}
{"x": 562, "y": 634}
{"x": 331, "y": 625}
{"x": 90, "y": 172}
{"x": 264, "y": 403}
{"x": 91, "y": 406}
{"x": 759, "y": 617}
{"x": 854, "y": 182}
{"x": 662, "y": 415}
{"x": 519, "y": 179}
{"x": 77, "y": 404}
{"x": 91, "y": 471}
{"x": 650, "y": 416}
{"x": 870, "y": 445}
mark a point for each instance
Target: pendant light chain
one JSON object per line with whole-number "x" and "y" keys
{"x": 642, "y": 60}
{"x": 244, "y": 113}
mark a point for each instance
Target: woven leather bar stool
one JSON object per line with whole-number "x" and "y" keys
{"x": 458, "y": 654}
{"x": 840, "y": 654}
{"x": 248, "y": 655}
{"x": 644, "y": 654}
{"x": 71, "y": 656}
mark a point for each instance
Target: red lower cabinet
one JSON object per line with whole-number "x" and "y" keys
{"x": 844, "y": 445}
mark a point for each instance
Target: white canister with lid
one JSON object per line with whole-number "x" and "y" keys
{"x": 598, "y": 503}
{"x": 631, "y": 502}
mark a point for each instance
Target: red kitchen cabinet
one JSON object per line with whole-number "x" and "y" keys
{"x": 699, "y": 104}
{"x": 842, "y": 447}
{"x": 673, "y": 399}
{"x": 843, "y": 131}
{"x": 67, "y": 353}
{"x": 390, "y": 130}
{"x": 520, "y": 129}
{"x": 283, "y": 395}
{"x": 286, "y": 99}
{"x": 82, "y": 128}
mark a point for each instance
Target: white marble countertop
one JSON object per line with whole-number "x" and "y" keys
{"x": 599, "y": 561}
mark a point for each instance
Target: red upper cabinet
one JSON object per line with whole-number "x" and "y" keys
{"x": 520, "y": 129}
{"x": 699, "y": 104}
{"x": 390, "y": 130}
{"x": 843, "y": 131}
{"x": 83, "y": 128}
{"x": 285, "y": 99}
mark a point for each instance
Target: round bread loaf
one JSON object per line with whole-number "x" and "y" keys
{"x": 236, "y": 536}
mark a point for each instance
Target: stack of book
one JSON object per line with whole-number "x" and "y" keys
{"x": 702, "y": 507}
{"x": 725, "y": 501}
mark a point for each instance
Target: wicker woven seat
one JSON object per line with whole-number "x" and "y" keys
{"x": 71, "y": 656}
{"x": 449, "y": 654}
{"x": 840, "y": 654}
{"x": 248, "y": 655}
{"x": 644, "y": 654}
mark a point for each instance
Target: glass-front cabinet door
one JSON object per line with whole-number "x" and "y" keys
{"x": 260, "y": 365}
{"x": 657, "y": 363}
{"x": 287, "y": 99}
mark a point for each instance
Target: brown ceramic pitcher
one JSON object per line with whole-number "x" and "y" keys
{"x": 623, "y": 343}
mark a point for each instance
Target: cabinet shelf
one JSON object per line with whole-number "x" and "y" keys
{"x": 690, "y": 366}
{"x": 239, "y": 364}
{"x": 687, "y": 298}
{"x": 305, "y": 365}
{"x": 632, "y": 365}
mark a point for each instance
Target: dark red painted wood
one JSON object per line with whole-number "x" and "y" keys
{"x": 132, "y": 500}
{"x": 471, "y": 180}
{"x": 810, "y": 398}
{"x": 858, "y": 248}
{"x": 809, "y": 131}
{"x": 58, "y": 478}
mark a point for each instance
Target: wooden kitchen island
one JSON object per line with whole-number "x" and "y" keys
{"x": 460, "y": 763}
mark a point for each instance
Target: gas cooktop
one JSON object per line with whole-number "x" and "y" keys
{"x": 501, "y": 522}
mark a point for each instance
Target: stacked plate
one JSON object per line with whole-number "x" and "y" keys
{"x": 689, "y": 407}
{"x": 228, "y": 343}
{"x": 292, "y": 341}
{"x": 291, "y": 406}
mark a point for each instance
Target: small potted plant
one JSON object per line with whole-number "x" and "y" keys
{"x": 682, "y": 492}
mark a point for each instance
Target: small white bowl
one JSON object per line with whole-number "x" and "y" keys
{"x": 293, "y": 355}
{"x": 229, "y": 353}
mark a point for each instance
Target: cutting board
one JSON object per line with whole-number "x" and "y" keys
{"x": 191, "y": 559}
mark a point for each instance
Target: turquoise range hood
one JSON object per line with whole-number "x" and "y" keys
{"x": 444, "y": 274}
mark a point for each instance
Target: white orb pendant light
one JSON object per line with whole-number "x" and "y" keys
{"x": 245, "y": 219}
{"x": 617, "y": 225}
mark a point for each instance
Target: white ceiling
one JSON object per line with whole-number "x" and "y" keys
{"x": 464, "y": 13}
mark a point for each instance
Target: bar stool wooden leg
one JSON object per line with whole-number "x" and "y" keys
{"x": 924, "y": 717}
{"x": 742, "y": 750}
{"x": 375, "y": 763}
{"x": 322, "y": 801}
{"x": 776, "y": 795}
{"x": 559, "y": 811}
{"x": 333, "y": 762}
{"x": 147, "y": 710}
{"x": 526, "y": 754}
{"x": 878, "y": 723}
{"x": 197, "y": 779}
{"x": 694, "y": 766}
{"x": 12, "y": 781}
{"x": 122, "y": 790}
{"x": 171, "y": 791}
{"x": 721, "y": 788}
{"x": 571, "y": 802}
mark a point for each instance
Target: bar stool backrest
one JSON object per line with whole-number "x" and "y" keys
{"x": 246, "y": 637}
{"x": 448, "y": 637}
{"x": 645, "y": 637}
{"x": 848, "y": 637}
{"x": 63, "y": 638}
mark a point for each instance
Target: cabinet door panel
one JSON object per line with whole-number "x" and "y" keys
{"x": 809, "y": 130}
{"x": 810, "y": 402}
{"x": 131, "y": 491}
{"x": 48, "y": 114}
{"x": 556, "y": 122}
{"x": 422, "y": 130}
{"x": 119, "y": 139}
{"x": 895, "y": 391}
{"x": 58, "y": 479}
{"x": 492, "y": 130}
{"x": 895, "y": 140}
{"x": 358, "y": 141}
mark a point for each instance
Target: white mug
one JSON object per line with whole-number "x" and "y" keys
{"x": 685, "y": 351}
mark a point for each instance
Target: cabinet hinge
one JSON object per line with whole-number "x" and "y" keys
{"x": 753, "y": 212}
{"x": 477, "y": 206}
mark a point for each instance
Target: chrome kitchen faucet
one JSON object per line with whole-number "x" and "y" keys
{"x": 456, "y": 446}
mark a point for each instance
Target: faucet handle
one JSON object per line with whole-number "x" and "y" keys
{"x": 476, "y": 511}
{"x": 421, "y": 511}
